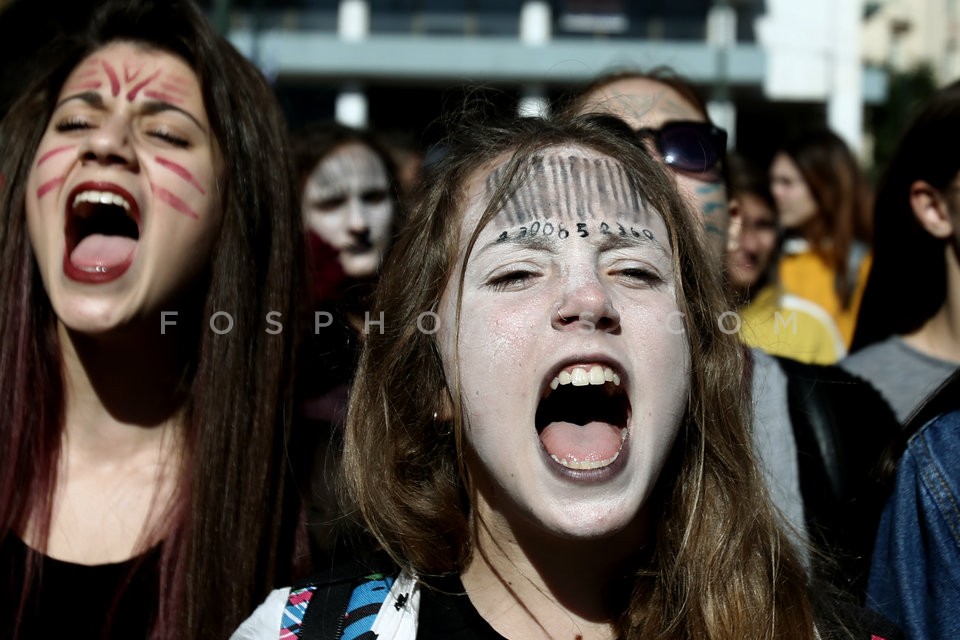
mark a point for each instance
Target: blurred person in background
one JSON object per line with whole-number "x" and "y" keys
{"x": 908, "y": 332}
{"x": 778, "y": 322}
{"x": 350, "y": 207}
{"x": 823, "y": 202}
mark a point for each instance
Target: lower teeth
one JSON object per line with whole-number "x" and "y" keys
{"x": 585, "y": 464}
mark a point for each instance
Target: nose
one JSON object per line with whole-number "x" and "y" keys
{"x": 357, "y": 220}
{"x": 586, "y": 306}
{"x": 748, "y": 240}
{"x": 109, "y": 144}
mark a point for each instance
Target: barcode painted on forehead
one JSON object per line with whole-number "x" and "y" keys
{"x": 569, "y": 185}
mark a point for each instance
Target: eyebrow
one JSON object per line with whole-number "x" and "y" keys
{"x": 149, "y": 107}
{"x": 614, "y": 241}
{"x": 537, "y": 243}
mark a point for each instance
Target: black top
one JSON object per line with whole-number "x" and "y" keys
{"x": 75, "y": 600}
{"x": 446, "y": 612}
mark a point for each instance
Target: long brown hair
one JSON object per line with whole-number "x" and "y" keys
{"x": 721, "y": 567}
{"x": 842, "y": 195}
{"x": 229, "y": 536}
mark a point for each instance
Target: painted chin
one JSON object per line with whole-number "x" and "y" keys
{"x": 360, "y": 264}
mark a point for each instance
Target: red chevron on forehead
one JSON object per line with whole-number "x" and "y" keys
{"x": 114, "y": 80}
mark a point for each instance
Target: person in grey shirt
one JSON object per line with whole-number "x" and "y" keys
{"x": 907, "y": 339}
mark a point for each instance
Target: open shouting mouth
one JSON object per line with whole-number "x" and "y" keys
{"x": 582, "y": 420}
{"x": 102, "y": 232}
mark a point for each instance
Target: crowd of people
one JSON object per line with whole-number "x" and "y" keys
{"x": 589, "y": 375}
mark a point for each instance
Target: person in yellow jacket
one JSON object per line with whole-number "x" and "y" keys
{"x": 769, "y": 317}
{"x": 824, "y": 206}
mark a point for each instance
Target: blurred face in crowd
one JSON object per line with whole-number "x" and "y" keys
{"x": 347, "y": 203}
{"x": 751, "y": 257}
{"x": 795, "y": 203}
{"x": 646, "y": 103}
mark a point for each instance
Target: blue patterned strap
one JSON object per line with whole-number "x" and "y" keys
{"x": 291, "y": 622}
{"x": 365, "y": 603}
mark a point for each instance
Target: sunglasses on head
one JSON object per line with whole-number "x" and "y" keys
{"x": 689, "y": 146}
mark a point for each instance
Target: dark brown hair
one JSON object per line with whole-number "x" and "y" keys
{"x": 229, "y": 536}
{"x": 721, "y": 568}
{"x": 908, "y": 262}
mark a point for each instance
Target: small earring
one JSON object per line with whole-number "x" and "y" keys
{"x": 434, "y": 415}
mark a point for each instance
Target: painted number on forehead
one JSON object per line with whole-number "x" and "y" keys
{"x": 581, "y": 229}
{"x": 566, "y": 187}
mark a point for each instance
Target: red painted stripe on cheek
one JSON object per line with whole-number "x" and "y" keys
{"x": 49, "y": 185}
{"x": 53, "y": 152}
{"x": 114, "y": 80}
{"x": 165, "y": 196}
{"x": 182, "y": 172}
{"x": 140, "y": 85}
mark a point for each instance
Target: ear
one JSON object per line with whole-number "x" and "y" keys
{"x": 444, "y": 411}
{"x": 736, "y": 225}
{"x": 931, "y": 209}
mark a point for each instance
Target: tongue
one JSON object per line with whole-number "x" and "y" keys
{"x": 98, "y": 250}
{"x": 591, "y": 442}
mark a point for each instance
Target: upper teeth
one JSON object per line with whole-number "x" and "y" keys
{"x": 581, "y": 377}
{"x": 102, "y": 197}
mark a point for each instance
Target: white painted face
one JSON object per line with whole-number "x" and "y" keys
{"x": 795, "y": 202}
{"x": 122, "y": 205}
{"x": 347, "y": 203}
{"x": 574, "y": 376}
{"x": 642, "y": 102}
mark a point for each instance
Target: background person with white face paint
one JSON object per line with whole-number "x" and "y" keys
{"x": 349, "y": 195}
{"x": 350, "y": 207}
{"x": 554, "y": 461}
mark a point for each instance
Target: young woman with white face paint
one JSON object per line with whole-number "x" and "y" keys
{"x": 349, "y": 205}
{"x": 142, "y": 478}
{"x": 548, "y": 440}
{"x": 349, "y": 195}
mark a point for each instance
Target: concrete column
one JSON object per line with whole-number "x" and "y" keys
{"x": 353, "y": 25}
{"x": 721, "y": 37}
{"x": 351, "y": 107}
{"x": 536, "y": 30}
{"x": 845, "y": 97}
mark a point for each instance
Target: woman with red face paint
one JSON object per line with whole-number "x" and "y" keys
{"x": 549, "y": 439}
{"x": 150, "y": 226}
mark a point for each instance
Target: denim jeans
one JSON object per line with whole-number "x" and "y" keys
{"x": 915, "y": 573}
